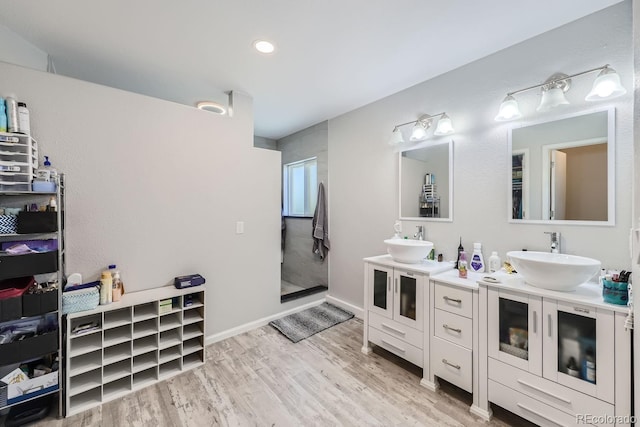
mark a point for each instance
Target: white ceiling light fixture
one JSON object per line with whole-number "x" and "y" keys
{"x": 212, "y": 107}
{"x": 264, "y": 46}
{"x": 420, "y": 127}
{"x": 606, "y": 86}
{"x": 553, "y": 93}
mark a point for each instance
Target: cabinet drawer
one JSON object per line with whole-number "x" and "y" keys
{"x": 396, "y": 346}
{"x": 529, "y": 408}
{"x": 398, "y": 330}
{"x": 454, "y": 328}
{"x": 452, "y": 363}
{"x": 454, "y": 300}
{"x": 547, "y": 392}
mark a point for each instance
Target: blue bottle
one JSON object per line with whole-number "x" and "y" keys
{"x": 3, "y": 116}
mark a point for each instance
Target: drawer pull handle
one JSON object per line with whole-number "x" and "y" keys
{"x": 446, "y": 362}
{"x": 457, "y": 301}
{"x": 452, "y": 329}
{"x": 389, "y": 283}
{"x": 396, "y": 285}
{"x": 397, "y": 331}
{"x": 402, "y": 350}
{"x": 540, "y": 415}
{"x": 550, "y": 326}
{"x": 581, "y": 310}
{"x": 541, "y": 390}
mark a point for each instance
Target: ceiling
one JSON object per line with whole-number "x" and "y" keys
{"x": 332, "y": 56}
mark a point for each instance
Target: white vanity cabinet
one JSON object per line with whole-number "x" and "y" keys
{"x": 557, "y": 358}
{"x": 453, "y": 333}
{"x": 397, "y": 301}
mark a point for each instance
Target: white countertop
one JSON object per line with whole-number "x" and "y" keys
{"x": 426, "y": 266}
{"x": 586, "y": 294}
{"x": 451, "y": 278}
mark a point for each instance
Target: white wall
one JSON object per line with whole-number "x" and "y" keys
{"x": 16, "y": 50}
{"x": 157, "y": 187}
{"x": 363, "y": 170}
{"x": 636, "y": 203}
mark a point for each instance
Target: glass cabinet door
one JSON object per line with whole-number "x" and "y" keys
{"x": 380, "y": 292}
{"x": 514, "y": 329}
{"x": 408, "y": 295}
{"x": 578, "y": 344}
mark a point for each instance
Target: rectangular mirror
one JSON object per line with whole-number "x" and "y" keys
{"x": 562, "y": 171}
{"x": 426, "y": 182}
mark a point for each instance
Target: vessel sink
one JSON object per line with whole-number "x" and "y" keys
{"x": 408, "y": 251}
{"x": 556, "y": 272}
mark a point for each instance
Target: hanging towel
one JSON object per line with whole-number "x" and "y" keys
{"x": 320, "y": 231}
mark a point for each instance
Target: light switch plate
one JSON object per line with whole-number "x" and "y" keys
{"x": 240, "y": 227}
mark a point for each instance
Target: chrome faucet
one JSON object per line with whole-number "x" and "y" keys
{"x": 555, "y": 241}
{"x": 420, "y": 234}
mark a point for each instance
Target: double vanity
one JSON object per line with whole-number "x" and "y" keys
{"x": 555, "y": 358}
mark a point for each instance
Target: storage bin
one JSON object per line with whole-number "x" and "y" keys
{"x": 37, "y": 222}
{"x": 28, "y": 348}
{"x": 12, "y": 266}
{"x": 14, "y": 186}
{"x": 615, "y": 292}
{"x": 11, "y": 293}
{"x": 32, "y": 387}
{"x": 39, "y": 303}
{"x": 8, "y": 224}
{"x": 43, "y": 186}
{"x": 80, "y": 300}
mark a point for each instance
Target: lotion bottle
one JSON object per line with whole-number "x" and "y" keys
{"x": 494, "y": 262}
{"x": 477, "y": 261}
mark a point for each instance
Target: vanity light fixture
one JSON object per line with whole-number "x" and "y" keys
{"x": 420, "y": 127}
{"x": 606, "y": 86}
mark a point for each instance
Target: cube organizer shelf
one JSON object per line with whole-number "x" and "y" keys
{"x": 132, "y": 344}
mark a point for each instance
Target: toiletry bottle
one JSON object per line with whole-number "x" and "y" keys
{"x": 3, "y": 116}
{"x": 117, "y": 286}
{"x": 23, "y": 119}
{"x": 460, "y": 249}
{"x": 53, "y": 173}
{"x": 589, "y": 368}
{"x": 494, "y": 262}
{"x": 105, "y": 288}
{"x": 462, "y": 265}
{"x": 477, "y": 262}
{"x": 12, "y": 114}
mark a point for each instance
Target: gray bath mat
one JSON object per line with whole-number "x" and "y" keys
{"x": 301, "y": 325}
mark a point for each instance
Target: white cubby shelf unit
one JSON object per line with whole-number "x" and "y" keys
{"x": 131, "y": 344}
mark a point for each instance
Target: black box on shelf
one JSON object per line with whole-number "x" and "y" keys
{"x": 39, "y": 303}
{"x": 38, "y": 345}
{"x": 37, "y": 222}
{"x": 9, "y": 353}
{"x": 10, "y": 308}
{"x": 11, "y": 293}
{"x": 12, "y": 266}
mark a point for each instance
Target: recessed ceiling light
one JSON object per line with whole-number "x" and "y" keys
{"x": 211, "y": 106}
{"x": 264, "y": 46}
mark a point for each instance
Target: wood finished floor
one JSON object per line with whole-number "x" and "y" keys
{"x": 260, "y": 378}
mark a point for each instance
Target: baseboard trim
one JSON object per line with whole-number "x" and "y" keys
{"x": 357, "y": 311}
{"x": 211, "y": 339}
{"x": 433, "y": 386}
